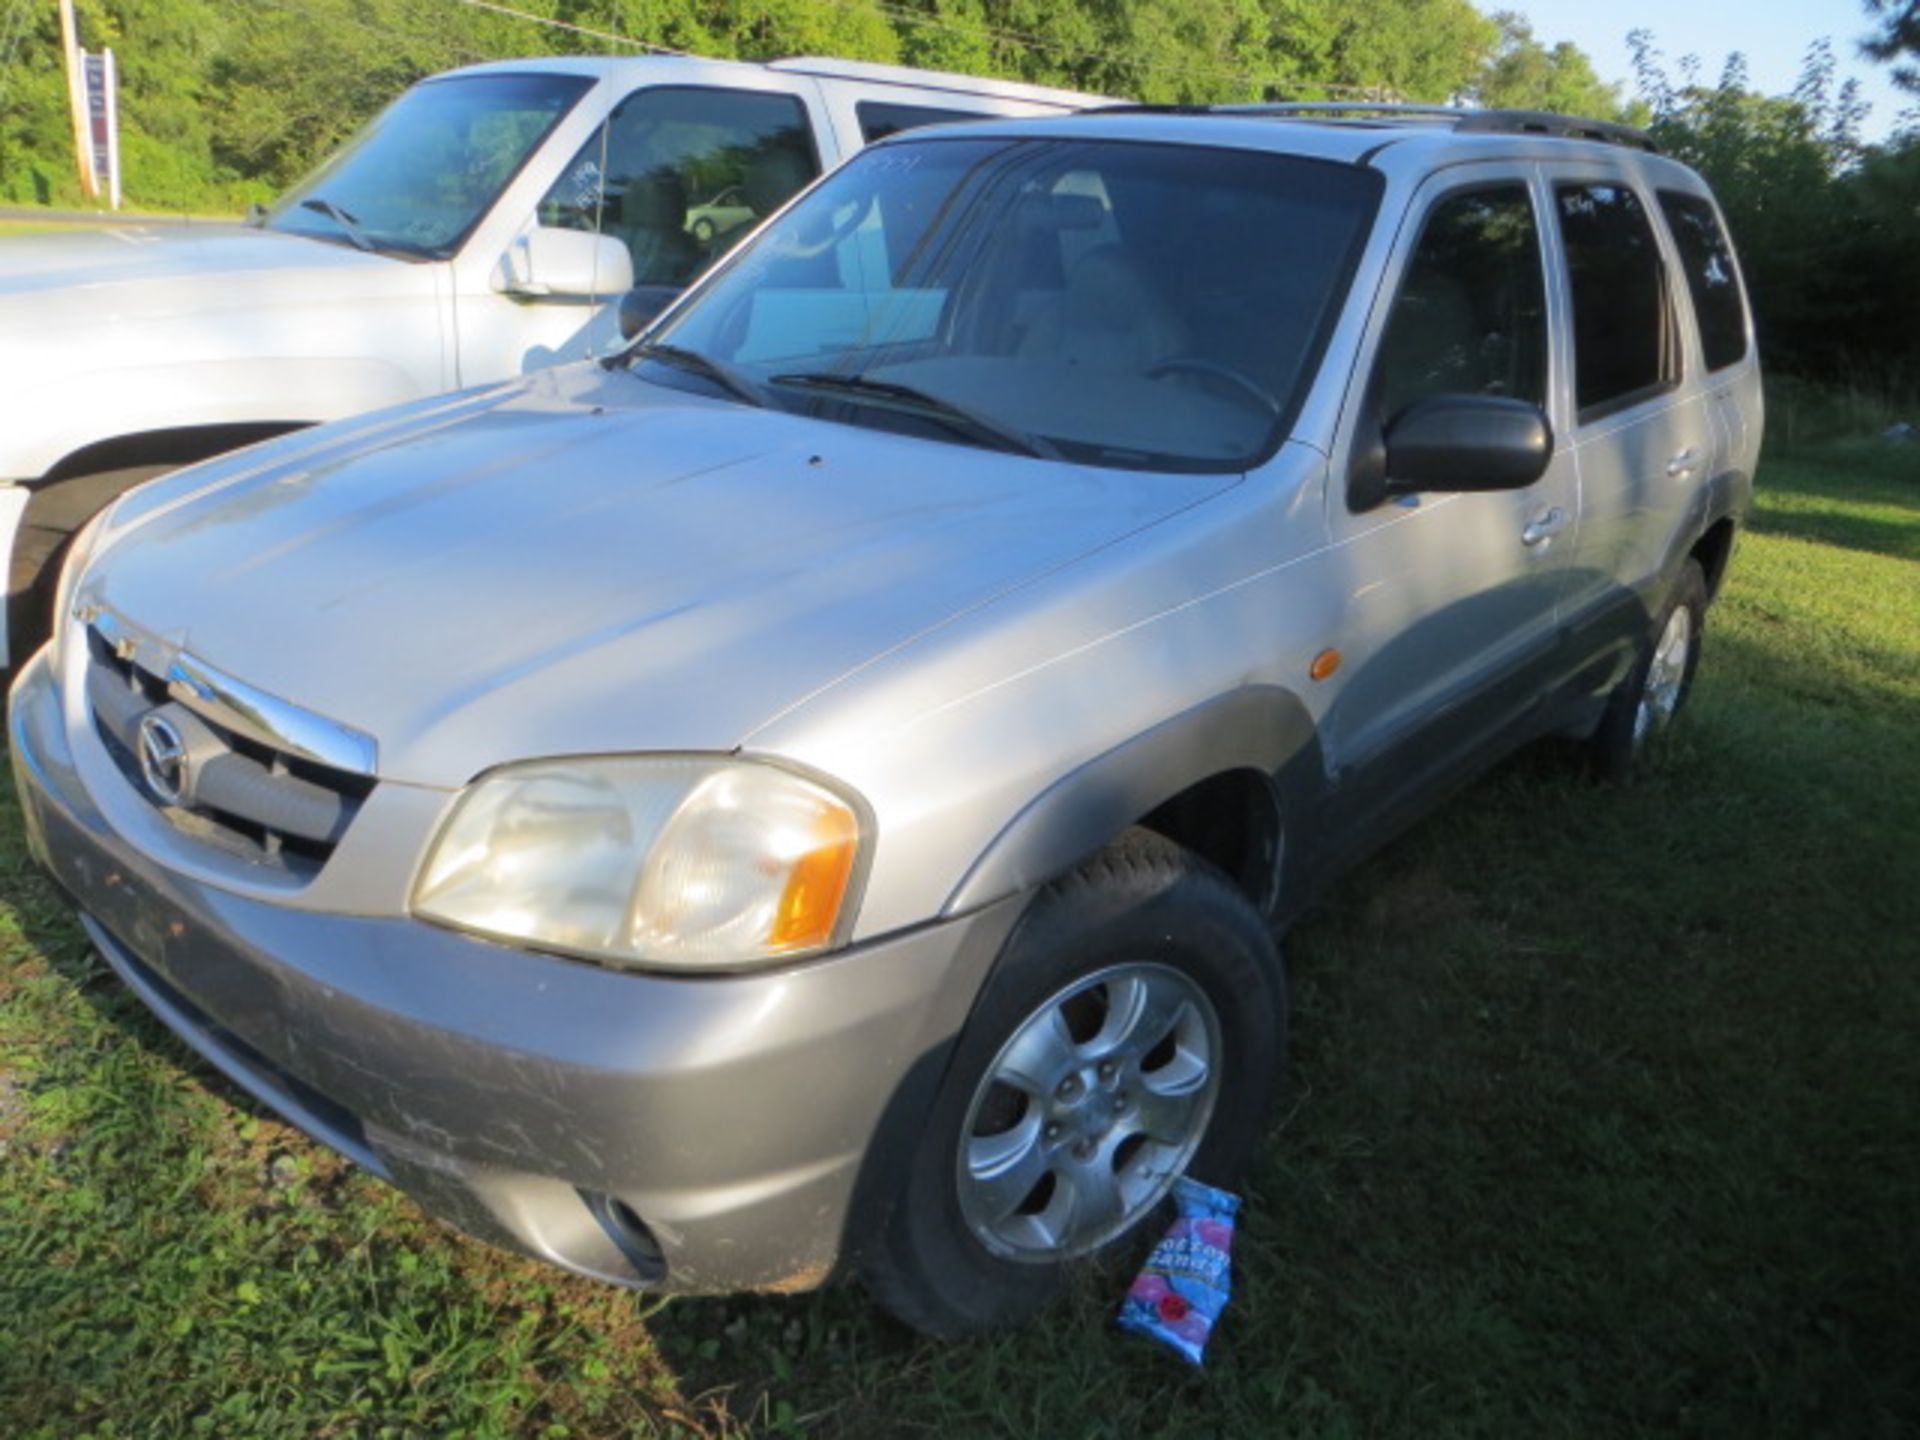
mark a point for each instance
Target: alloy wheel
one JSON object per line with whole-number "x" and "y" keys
{"x": 1666, "y": 676}
{"x": 1089, "y": 1112}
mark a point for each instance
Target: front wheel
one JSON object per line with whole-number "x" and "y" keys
{"x": 1130, "y": 1033}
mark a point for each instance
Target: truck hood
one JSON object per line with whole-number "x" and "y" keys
{"x": 122, "y": 267}
{"x": 589, "y": 562}
{"x": 116, "y": 332}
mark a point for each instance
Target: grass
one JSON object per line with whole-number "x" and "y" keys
{"x": 1603, "y": 1118}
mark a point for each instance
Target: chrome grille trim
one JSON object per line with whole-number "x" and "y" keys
{"x": 235, "y": 705}
{"x": 258, "y": 778}
{"x": 267, "y": 719}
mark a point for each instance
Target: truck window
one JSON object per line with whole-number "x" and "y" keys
{"x": 418, "y": 177}
{"x": 1471, "y": 315}
{"x": 881, "y": 118}
{"x": 678, "y": 173}
{"x": 1713, "y": 280}
{"x": 1623, "y": 348}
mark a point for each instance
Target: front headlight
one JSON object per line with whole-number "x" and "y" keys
{"x": 684, "y": 862}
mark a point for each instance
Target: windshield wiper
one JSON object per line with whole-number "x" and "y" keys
{"x": 682, "y": 358}
{"x": 341, "y": 218}
{"x": 934, "y": 407}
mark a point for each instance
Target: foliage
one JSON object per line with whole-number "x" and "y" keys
{"x": 1897, "y": 39}
{"x": 1523, "y": 74}
{"x": 1599, "y": 1121}
{"x": 1825, "y": 225}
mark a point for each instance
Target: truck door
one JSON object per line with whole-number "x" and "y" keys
{"x": 676, "y": 174}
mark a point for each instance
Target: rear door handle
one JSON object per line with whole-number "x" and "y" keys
{"x": 1682, "y": 465}
{"x": 1544, "y": 527}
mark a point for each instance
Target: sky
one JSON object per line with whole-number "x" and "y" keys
{"x": 1772, "y": 34}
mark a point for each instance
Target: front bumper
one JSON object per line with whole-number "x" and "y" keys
{"x": 691, "y": 1134}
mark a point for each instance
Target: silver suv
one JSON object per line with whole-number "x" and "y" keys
{"x": 819, "y": 792}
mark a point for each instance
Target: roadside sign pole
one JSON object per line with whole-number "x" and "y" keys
{"x": 77, "y": 101}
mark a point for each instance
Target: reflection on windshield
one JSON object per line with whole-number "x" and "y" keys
{"x": 423, "y": 172}
{"x": 1131, "y": 304}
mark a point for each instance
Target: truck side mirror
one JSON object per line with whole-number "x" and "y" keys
{"x": 548, "y": 263}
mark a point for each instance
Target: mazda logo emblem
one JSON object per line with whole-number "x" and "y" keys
{"x": 163, "y": 759}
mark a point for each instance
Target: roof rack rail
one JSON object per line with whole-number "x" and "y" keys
{"x": 1464, "y": 119}
{"x": 1567, "y": 127}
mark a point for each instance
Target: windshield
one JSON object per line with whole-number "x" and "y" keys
{"x": 1139, "y": 305}
{"x": 420, "y": 175}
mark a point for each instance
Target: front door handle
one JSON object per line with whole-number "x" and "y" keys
{"x": 1544, "y": 527}
{"x": 1683, "y": 464}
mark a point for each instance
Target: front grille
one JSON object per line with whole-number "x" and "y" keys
{"x": 251, "y": 799}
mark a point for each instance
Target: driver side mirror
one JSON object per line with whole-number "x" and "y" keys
{"x": 1454, "y": 443}
{"x": 548, "y": 263}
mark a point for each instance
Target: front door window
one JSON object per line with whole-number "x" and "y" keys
{"x": 677, "y": 174}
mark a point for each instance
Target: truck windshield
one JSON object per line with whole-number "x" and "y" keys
{"x": 1120, "y": 303}
{"x": 418, "y": 177}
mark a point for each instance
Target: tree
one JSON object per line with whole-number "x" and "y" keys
{"x": 1897, "y": 39}
{"x": 1523, "y": 74}
{"x": 1823, "y": 224}
{"x": 1401, "y": 49}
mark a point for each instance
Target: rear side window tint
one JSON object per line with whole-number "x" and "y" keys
{"x": 879, "y": 118}
{"x": 1622, "y": 322}
{"x": 1712, "y": 278}
{"x": 1471, "y": 315}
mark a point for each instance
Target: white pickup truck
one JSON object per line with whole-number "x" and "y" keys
{"x": 474, "y": 231}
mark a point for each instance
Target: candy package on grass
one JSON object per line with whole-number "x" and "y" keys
{"x": 1181, "y": 1290}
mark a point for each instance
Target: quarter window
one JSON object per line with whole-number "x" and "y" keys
{"x": 881, "y": 118}
{"x": 1712, "y": 278}
{"x": 1622, "y": 320}
{"x": 679, "y": 174}
{"x": 1470, "y": 318}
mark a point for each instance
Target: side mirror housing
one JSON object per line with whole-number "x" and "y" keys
{"x": 1454, "y": 443}
{"x": 641, "y": 306}
{"x": 548, "y": 263}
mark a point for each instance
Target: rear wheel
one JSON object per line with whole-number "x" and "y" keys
{"x": 1130, "y": 1033}
{"x": 1645, "y": 704}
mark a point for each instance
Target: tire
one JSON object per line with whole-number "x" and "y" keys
{"x": 1145, "y": 928}
{"x": 1644, "y": 706}
{"x": 703, "y": 230}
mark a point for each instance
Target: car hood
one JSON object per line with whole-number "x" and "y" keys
{"x": 588, "y": 562}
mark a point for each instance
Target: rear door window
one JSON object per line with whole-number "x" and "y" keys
{"x": 1623, "y": 350}
{"x": 1713, "y": 280}
{"x": 678, "y": 174}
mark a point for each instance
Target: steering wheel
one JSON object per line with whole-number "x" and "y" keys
{"x": 1214, "y": 370}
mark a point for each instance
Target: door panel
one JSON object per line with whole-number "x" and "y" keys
{"x": 1452, "y": 599}
{"x": 1644, "y": 436}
